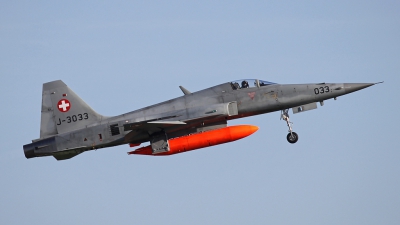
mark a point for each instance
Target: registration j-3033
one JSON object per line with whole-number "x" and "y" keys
{"x": 73, "y": 118}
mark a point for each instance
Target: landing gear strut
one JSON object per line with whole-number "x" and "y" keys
{"x": 292, "y": 136}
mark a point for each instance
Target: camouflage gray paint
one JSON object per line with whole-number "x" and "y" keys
{"x": 69, "y": 126}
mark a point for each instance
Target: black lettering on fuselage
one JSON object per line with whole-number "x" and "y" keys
{"x": 73, "y": 118}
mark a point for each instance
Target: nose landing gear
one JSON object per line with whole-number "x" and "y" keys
{"x": 292, "y": 136}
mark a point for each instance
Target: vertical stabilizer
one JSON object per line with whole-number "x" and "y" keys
{"x": 63, "y": 110}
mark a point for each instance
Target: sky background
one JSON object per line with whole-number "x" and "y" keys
{"x": 120, "y": 56}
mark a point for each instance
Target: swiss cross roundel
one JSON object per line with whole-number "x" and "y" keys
{"x": 63, "y": 105}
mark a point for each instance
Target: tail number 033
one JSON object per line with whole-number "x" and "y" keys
{"x": 321, "y": 90}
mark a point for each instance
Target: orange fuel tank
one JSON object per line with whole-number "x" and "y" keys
{"x": 201, "y": 140}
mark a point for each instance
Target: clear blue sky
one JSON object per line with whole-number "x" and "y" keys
{"x": 120, "y": 56}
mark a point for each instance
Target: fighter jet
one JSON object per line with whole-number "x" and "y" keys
{"x": 195, "y": 120}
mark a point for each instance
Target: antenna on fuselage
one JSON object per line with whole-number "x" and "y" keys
{"x": 185, "y": 91}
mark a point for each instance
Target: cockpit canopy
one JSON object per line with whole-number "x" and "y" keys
{"x": 249, "y": 83}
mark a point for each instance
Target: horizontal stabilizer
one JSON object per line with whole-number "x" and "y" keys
{"x": 67, "y": 154}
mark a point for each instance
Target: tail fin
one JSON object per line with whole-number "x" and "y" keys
{"x": 63, "y": 110}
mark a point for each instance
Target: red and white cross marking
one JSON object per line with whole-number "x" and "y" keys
{"x": 64, "y": 105}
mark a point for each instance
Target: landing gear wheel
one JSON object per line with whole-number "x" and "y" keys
{"x": 292, "y": 137}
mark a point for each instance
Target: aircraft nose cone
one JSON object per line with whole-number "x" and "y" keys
{"x": 352, "y": 87}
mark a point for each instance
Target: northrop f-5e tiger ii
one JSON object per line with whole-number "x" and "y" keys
{"x": 195, "y": 120}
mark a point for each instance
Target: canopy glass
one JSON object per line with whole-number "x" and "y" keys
{"x": 249, "y": 83}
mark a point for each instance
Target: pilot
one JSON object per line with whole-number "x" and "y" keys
{"x": 236, "y": 86}
{"x": 245, "y": 84}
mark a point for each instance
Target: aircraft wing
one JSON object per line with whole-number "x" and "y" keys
{"x": 202, "y": 117}
{"x": 149, "y": 126}
{"x": 146, "y": 125}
